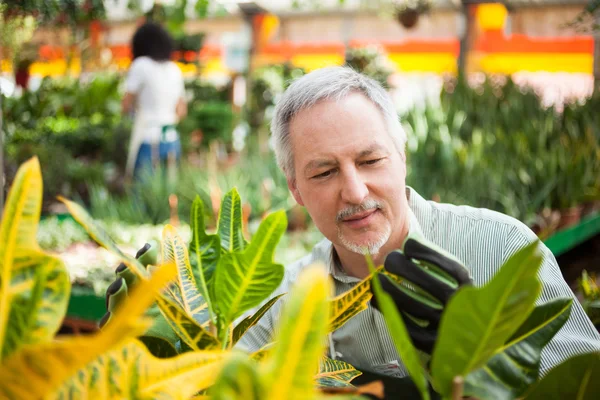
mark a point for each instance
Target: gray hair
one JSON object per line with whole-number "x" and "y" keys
{"x": 330, "y": 83}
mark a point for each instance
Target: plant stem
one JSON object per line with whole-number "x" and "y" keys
{"x": 224, "y": 337}
{"x": 457, "y": 388}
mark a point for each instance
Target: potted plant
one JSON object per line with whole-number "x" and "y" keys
{"x": 408, "y": 11}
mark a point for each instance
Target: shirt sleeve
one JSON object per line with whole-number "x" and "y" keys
{"x": 578, "y": 335}
{"x": 135, "y": 76}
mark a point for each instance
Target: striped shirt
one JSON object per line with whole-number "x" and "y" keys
{"x": 483, "y": 240}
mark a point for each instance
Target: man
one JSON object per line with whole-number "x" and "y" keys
{"x": 339, "y": 142}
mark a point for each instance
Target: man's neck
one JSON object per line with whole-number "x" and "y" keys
{"x": 355, "y": 264}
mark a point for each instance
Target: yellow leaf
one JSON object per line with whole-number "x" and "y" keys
{"x": 39, "y": 369}
{"x": 34, "y": 286}
{"x": 350, "y": 303}
{"x": 132, "y": 372}
{"x": 291, "y": 365}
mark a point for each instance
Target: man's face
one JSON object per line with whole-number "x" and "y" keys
{"x": 349, "y": 174}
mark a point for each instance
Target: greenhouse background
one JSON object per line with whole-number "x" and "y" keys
{"x": 499, "y": 100}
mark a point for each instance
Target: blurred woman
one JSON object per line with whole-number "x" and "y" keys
{"x": 154, "y": 91}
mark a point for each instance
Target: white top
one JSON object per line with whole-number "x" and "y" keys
{"x": 483, "y": 240}
{"x": 158, "y": 86}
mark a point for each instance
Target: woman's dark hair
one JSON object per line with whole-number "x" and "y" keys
{"x": 152, "y": 40}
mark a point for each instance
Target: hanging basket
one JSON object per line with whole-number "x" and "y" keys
{"x": 408, "y": 18}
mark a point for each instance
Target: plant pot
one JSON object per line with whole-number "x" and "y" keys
{"x": 408, "y": 18}
{"x": 569, "y": 217}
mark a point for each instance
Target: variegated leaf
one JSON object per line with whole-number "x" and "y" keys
{"x": 205, "y": 251}
{"x": 34, "y": 286}
{"x": 189, "y": 330}
{"x": 347, "y": 305}
{"x": 99, "y": 235}
{"x": 132, "y": 372}
{"x": 39, "y": 369}
{"x": 39, "y": 299}
{"x": 251, "y": 320}
{"x": 291, "y": 365}
{"x": 229, "y": 224}
{"x": 244, "y": 280}
{"x": 335, "y": 373}
{"x": 175, "y": 250}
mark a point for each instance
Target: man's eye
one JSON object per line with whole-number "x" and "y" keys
{"x": 374, "y": 161}
{"x": 322, "y": 175}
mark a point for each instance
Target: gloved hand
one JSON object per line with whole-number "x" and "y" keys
{"x": 125, "y": 281}
{"x": 434, "y": 274}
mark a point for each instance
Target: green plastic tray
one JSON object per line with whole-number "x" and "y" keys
{"x": 567, "y": 239}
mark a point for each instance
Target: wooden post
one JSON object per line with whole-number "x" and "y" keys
{"x": 466, "y": 37}
{"x": 596, "y": 69}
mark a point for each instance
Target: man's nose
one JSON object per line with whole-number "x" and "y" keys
{"x": 354, "y": 189}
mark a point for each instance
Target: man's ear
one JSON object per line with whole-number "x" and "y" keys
{"x": 295, "y": 192}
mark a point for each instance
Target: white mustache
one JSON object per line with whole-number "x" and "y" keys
{"x": 350, "y": 211}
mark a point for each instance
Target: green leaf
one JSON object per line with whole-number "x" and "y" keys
{"x": 289, "y": 368}
{"x": 335, "y": 373}
{"x": 251, "y": 320}
{"x": 34, "y": 286}
{"x": 478, "y": 321}
{"x": 158, "y": 347}
{"x": 175, "y": 250}
{"x": 239, "y": 379}
{"x": 160, "y": 338}
{"x": 350, "y": 303}
{"x": 515, "y": 367}
{"x": 404, "y": 346}
{"x": 205, "y": 251}
{"x": 244, "y": 280}
{"x": 99, "y": 235}
{"x": 188, "y": 329}
{"x": 229, "y": 224}
{"x": 576, "y": 378}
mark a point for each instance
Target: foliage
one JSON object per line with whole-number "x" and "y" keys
{"x": 267, "y": 84}
{"x": 462, "y": 138}
{"x": 591, "y": 296}
{"x": 498, "y": 355}
{"x": 240, "y": 275}
{"x": 79, "y": 139}
{"x": 34, "y": 293}
{"x": 371, "y": 61}
{"x": 264, "y": 190}
{"x": 70, "y": 12}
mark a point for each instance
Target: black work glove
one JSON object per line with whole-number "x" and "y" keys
{"x": 125, "y": 281}
{"x": 434, "y": 274}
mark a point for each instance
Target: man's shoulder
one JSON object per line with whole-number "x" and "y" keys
{"x": 480, "y": 219}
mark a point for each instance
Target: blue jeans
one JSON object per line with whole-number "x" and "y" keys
{"x": 143, "y": 161}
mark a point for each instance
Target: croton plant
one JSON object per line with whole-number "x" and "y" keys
{"x": 172, "y": 328}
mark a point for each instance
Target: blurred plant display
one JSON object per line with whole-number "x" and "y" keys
{"x": 371, "y": 61}
{"x": 493, "y": 144}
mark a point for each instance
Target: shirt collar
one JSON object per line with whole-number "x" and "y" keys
{"x": 419, "y": 212}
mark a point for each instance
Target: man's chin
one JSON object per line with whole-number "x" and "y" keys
{"x": 369, "y": 246}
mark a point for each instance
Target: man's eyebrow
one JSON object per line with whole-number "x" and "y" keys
{"x": 315, "y": 164}
{"x": 373, "y": 149}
